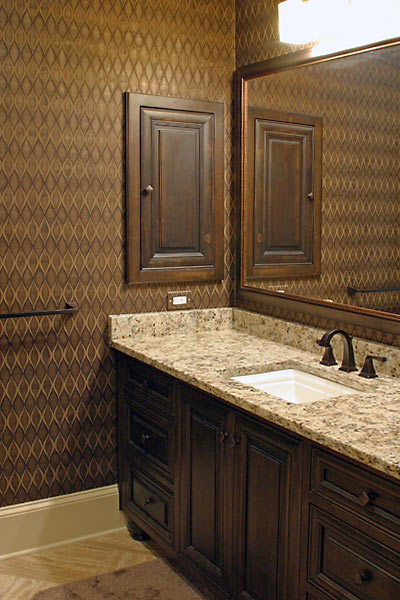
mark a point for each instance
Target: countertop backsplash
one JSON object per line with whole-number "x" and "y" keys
{"x": 206, "y": 348}
{"x": 289, "y": 333}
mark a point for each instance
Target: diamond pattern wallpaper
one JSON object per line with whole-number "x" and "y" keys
{"x": 64, "y": 67}
{"x": 350, "y": 233}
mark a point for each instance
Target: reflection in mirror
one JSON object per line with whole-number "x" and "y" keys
{"x": 284, "y": 153}
{"x": 358, "y": 100}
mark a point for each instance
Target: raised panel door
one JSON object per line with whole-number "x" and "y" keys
{"x": 206, "y": 487}
{"x": 266, "y": 513}
{"x": 284, "y": 204}
{"x": 174, "y": 189}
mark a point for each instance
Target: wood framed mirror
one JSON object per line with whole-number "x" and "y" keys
{"x": 355, "y": 97}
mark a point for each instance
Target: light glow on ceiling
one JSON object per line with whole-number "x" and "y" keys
{"x": 338, "y": 24}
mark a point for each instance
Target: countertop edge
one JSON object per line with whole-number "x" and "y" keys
{"x": 260, "y": 411}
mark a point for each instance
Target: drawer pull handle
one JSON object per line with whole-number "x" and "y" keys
{"x": 145, "y": 384}
{"x": 234, "y": 442}
{"x": 148, "y": 501}
{"x": 366, "y": 498}
{"x": 223, "y": 435}
{"x": 363, "y": 577}
{"x": 145, "y": 437}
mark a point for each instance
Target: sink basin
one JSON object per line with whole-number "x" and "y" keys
{"x": 295, "y": 386}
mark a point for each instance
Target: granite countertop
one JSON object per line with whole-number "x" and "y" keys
{"x": 206, "y": 348}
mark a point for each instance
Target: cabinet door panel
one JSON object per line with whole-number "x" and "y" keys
{"x": 205, "y": 498}
{"x": 174, "y": 189}
{"x": 179, "y": 175}
{"x": 284, "y": 152}
{"x": 174, "y": 162}
{"x": 205, "y": 494}
{"x": 266, "y": 514}
{"x": 283, "y": 212}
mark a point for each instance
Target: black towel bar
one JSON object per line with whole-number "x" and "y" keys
{"x": 69, "y": 309}
{"x": 353, "y": 290}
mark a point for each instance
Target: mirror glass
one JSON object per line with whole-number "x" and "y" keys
{"x": 358, "y": 99}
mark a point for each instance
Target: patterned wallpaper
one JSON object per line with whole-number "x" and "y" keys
{"x": 257, "y": 38}
{"x": 65, "y": 66}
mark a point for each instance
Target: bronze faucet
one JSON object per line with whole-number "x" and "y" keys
{"x": 348, "y": 363}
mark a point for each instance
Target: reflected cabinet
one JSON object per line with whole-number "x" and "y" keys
{"x": 282, "y": 215}
{"x": 174, "y": 189}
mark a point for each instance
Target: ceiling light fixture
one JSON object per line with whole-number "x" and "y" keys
{"x": 338, "y": 24}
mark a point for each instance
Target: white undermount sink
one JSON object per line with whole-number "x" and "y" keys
{"x": 295, "y": 386}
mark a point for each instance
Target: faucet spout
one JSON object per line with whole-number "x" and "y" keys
{"x": 348, "y": 363}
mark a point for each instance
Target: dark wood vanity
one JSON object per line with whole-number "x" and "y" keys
{"x": 251, "y": 510}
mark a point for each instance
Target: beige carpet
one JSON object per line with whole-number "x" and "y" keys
{"x": 153, "y": 580}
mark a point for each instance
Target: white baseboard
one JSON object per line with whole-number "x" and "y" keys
{"x": 34, "y": 526}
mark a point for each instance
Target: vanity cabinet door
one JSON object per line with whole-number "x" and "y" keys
{"x": 266, "y": 513}
{"x": 206, "y": 486}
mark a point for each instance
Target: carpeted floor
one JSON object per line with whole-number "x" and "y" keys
{"x": 153, "y": 580}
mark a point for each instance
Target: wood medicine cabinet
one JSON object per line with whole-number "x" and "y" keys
{"x": 174, "y": 189}
{"x": 283, "y": 218}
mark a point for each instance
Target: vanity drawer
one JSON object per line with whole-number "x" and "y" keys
{"x": 348, "y": 564}
{"x": 148, "y": 384}
{"x": 151, "y": 443}
{"x": 369, "y": 495}
{"x": 153, "y": 504}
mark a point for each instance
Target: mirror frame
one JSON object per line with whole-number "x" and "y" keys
{"x": 354, "y": 315}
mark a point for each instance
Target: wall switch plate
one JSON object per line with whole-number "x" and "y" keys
{"x": 179, "y": 300}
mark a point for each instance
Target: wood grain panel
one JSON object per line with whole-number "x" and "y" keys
{"x": 266, "y": 513}
{"x": 173, "y": 175}
{"x": 179, "y": 177}
{"x": 205, "y": 503}
{"x": 282, "y": 218}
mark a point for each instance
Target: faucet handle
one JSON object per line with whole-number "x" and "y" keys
{"x": 328, "y": 358}
{"x": 368, "y": 370}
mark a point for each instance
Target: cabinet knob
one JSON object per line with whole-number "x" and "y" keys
{"x": 147, "y": 190}
{"x": 310, "y": 196}
{"x": 145, "y": 437}
{"x": 363, "y": 577}
{"x": 145, "y": 383}
{"x": 234, "y": 442}
{"x": 366, "y": 498}
{"x": 148, "y": 501}
{"x": 223, "y": 435}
